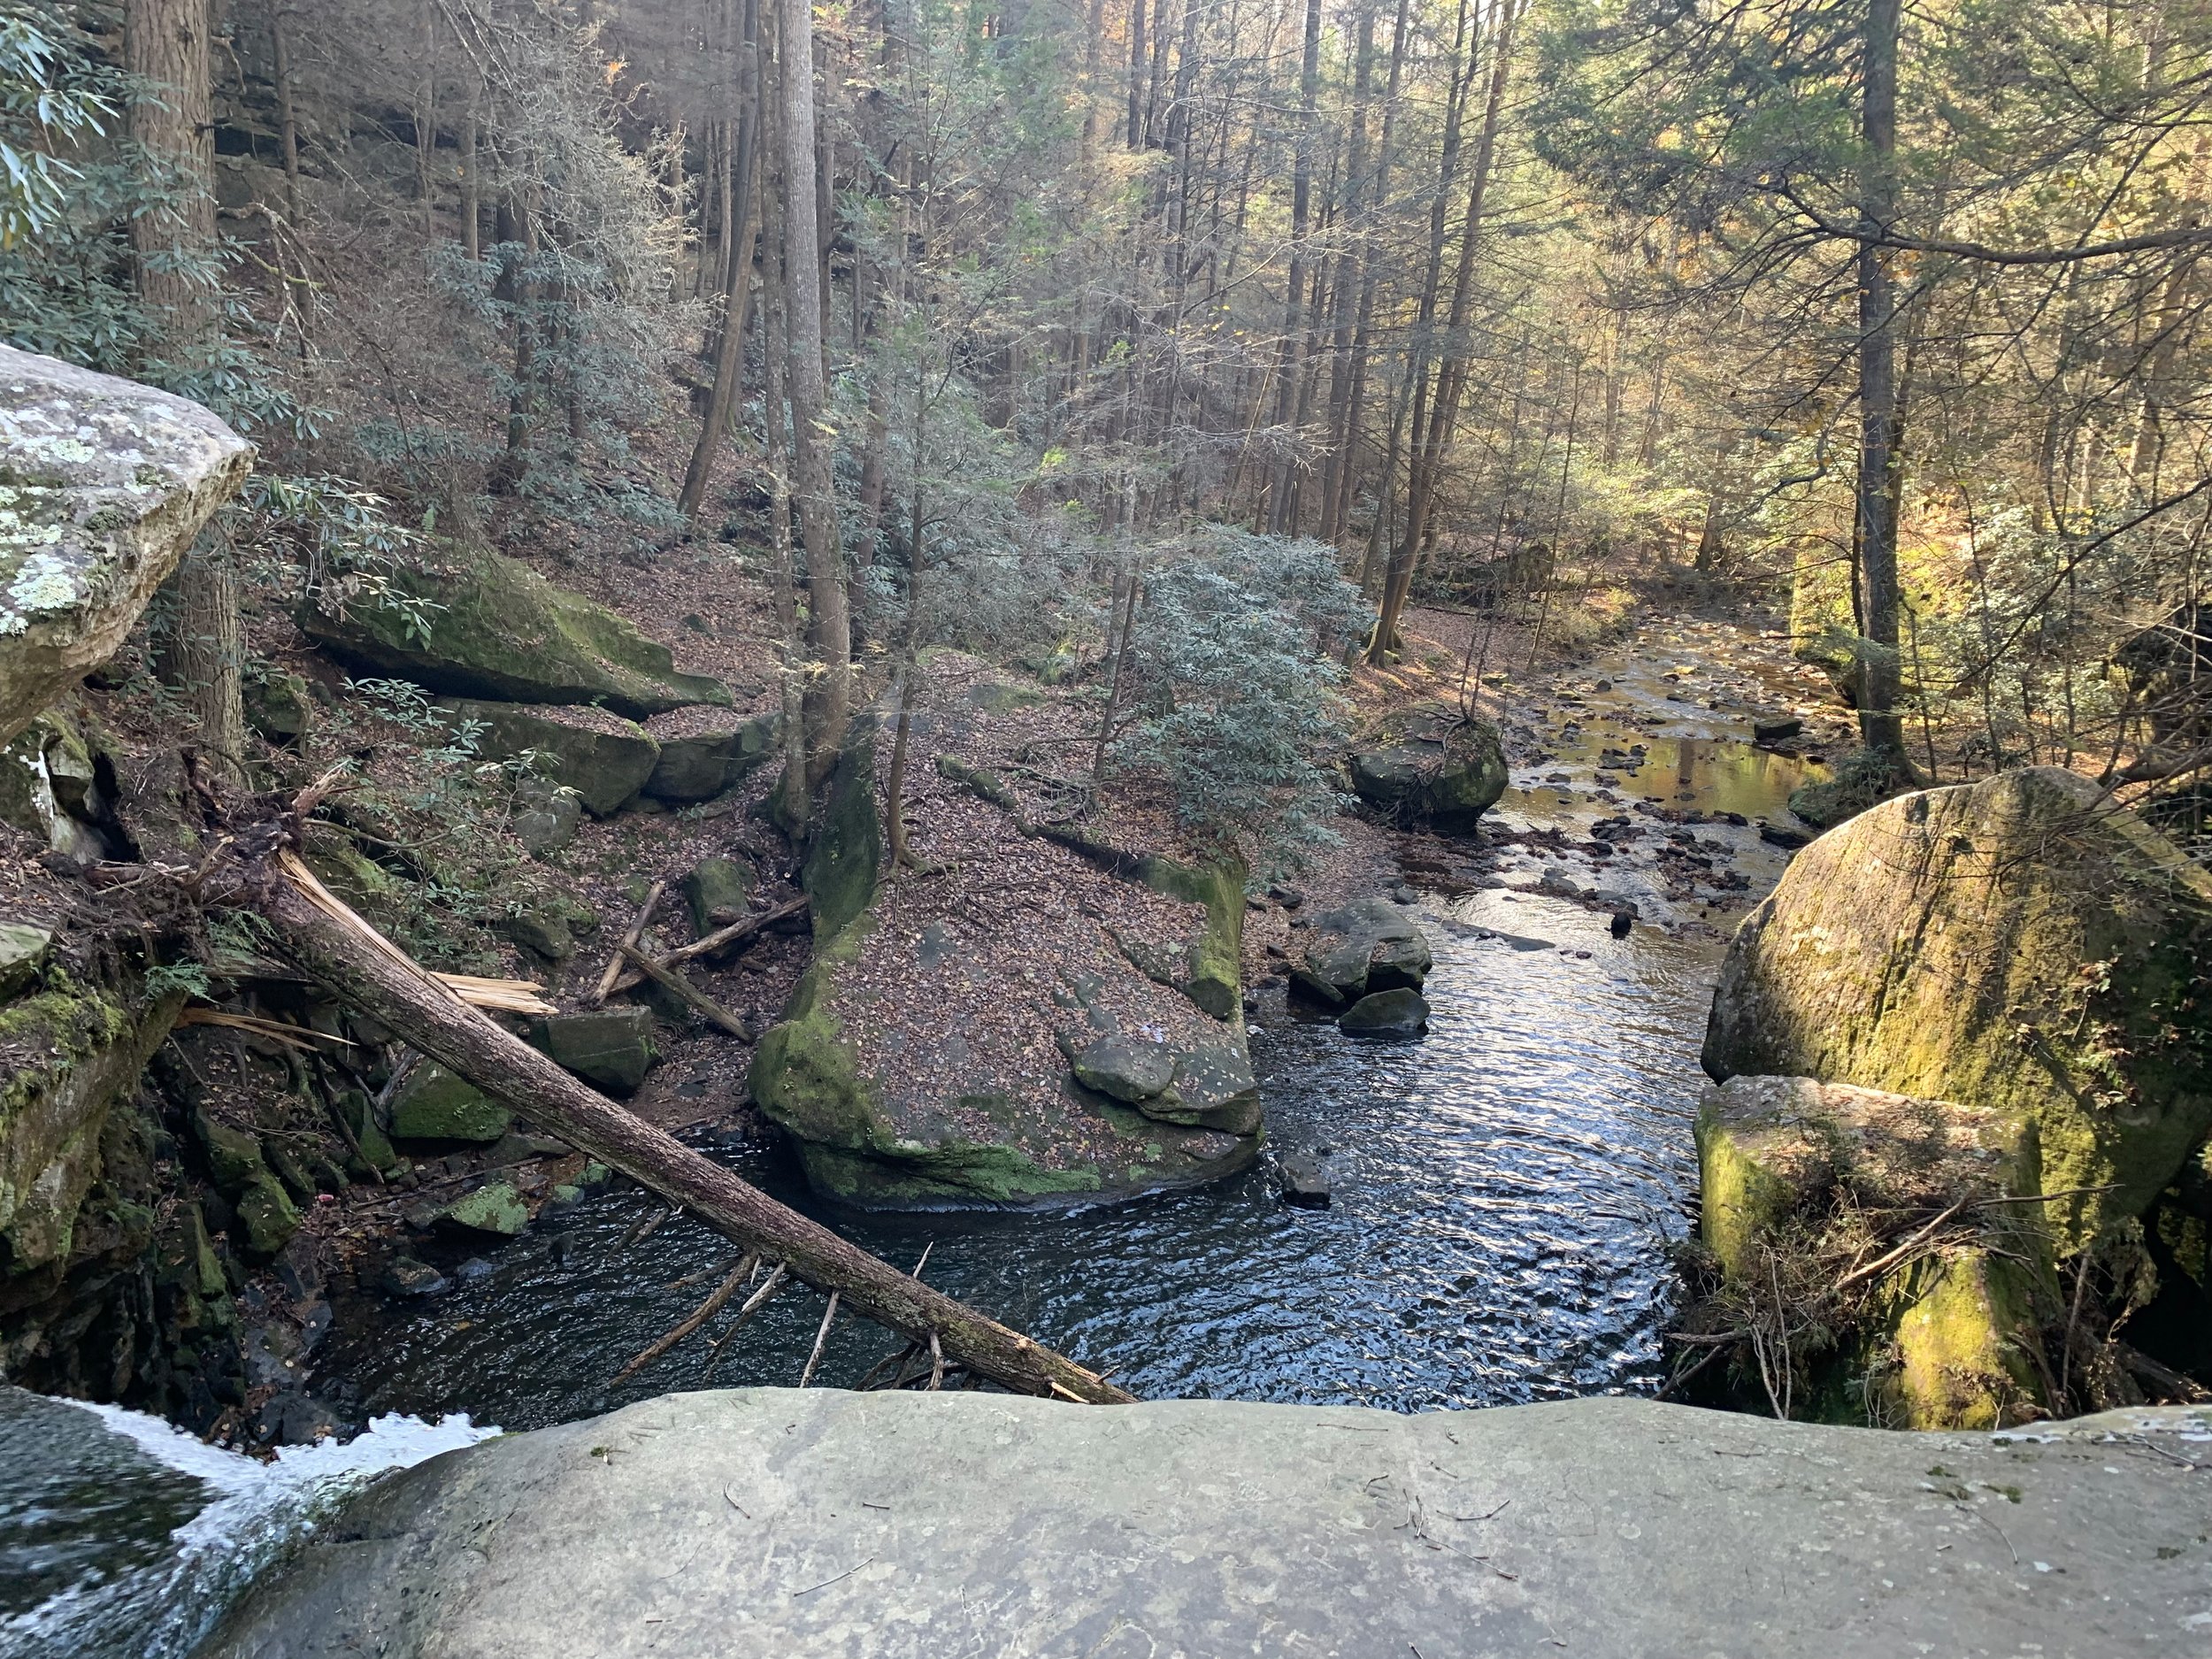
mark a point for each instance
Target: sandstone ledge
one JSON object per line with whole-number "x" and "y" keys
{"x": 768, "y": 1522}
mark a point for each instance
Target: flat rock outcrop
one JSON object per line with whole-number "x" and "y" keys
{"x": 2022, "y": 946}
{"x": 477, "y": 624}
{"x": 770, "y": 1524}
{"x": 1022, "y": 1027}
{"x": 1358, "y": 949}
{"x": 106, "y": 483}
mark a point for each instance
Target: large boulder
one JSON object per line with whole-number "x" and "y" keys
{"x": 106, "y": 482}
{"x": 1430, "y": 767}
{"x": 470, "y": 621}
{"x": 944, "y": 1048}
{"x": 2022, "y": 946}
{"x": 1358, "y": 949}
{"x": 601, "y": 758}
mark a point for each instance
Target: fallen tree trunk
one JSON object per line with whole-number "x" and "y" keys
{"x": 721, "y": 939}
{"x": 367, "y": 971}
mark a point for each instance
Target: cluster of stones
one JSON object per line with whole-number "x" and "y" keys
{"x": 1369, "y": 959}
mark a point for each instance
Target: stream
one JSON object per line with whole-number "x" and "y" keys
{"x": 1506, "y": 1191}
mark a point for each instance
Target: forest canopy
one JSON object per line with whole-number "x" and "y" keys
{"x": 979, "y": 324}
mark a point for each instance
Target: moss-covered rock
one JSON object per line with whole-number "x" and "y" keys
{"x": 2022, "y": 946}
{"x": 716, "y": 892}
{"x": 495, "y": 1209}
{"x": 280, "y": 706}
{"x": 845, "y": 860}
{"x": 67, "y": 1051}
{"x": 433, "y": 1104}
{"x": 1948, "y": 1341}
{"x": 602, "y": 759}
{"x": 1215, "y": 980}
{"x": 266, "y": 1216}
{"x": 22, "y": 948}
{"x": 473, "y": 622}
{"x": 106, "y": 483}
{"x": 47, "y": 785}
{"x": 1430, "y": 767}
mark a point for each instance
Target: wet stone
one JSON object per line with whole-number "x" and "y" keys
{"x": 1396, "y": 1013}
{"x": 408, "y": 1276}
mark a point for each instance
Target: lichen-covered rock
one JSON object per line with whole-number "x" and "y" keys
{"x": 433, "y": 1104}
{"x": 494, "y": 1208}
{"x": 1949, "y": 1339}
{"x": 1367, "y": 946}
{"x": 601, "y": 759}
{"x": 104, "y": 483}
{"x": 1430, "y": 767}
{"x": 477, "y": 624}
{"x": 67, "y": 1051}
{"x": 2022, "y": 946}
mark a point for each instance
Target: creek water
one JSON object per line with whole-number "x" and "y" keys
{"x": 1506, "y": 1193}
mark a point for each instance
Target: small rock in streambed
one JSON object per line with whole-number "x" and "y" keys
{"x": 475, "y": 1267}
{"x": 1622, "y": 921}
{"x": 1395, "y": 1013}
{"x": 1305, "y": 1180}
{"x": 407, "y": 1277}
{"x": 1776, "y": 729}
{"x": 293, "y": 1418}
{"x": 1404, "y": 894}
{"x": 1777, "y": 835}
{"x": 494, "y": 1208}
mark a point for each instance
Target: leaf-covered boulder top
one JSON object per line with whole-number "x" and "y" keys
{"x": 104, "y": 483}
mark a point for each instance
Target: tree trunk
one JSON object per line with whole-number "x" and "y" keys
{"x": 1879, "y": 725}
{"x": 829, "y": 629}
{"x": 737, "y": 286}
{"x": 366, "y": 972}
{"x": 166, "y": 43}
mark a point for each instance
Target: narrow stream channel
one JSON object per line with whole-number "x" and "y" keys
{"x": 1506, "y": 1193}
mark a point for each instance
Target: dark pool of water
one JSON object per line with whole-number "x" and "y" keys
{"x": 1507, "y": 1189}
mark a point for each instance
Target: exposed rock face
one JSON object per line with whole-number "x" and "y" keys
{"x": 1951, "y": 1335}
{"x": 107, "y": 482}
{"x": 67, "y": 1051}
{"x": 601, "y": 758}
{"x": 946, "y": 1049}
{"x": 2017, "y": 945}
{"x": 490, "y": 627}
{"x": 1367, "y": 946}
{"x": 758, "y": 1523}
{"x": 1429, "y": 767}
{"x": 700, "y": 766}
{"x": 612, "y": 1049}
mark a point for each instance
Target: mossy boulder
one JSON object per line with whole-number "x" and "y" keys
{"x": 495, "y": 1209}
{"x": 106, "y": 483}
{"x": 2021, "y": 946}
{"x": 1393, "y": 1013}
{"x": 1949, "y": 1341}
{"x": 433, "y": 1104}
{"x": 844, "y": 862}
{"x": 280, "y": 706}
{"x": 477, "y": 624}
{"x": 49, "y": 785}
{"x": 955, "y": 1097}
{"x": 1430, "y": 767}
{"x": 717, "y": 892}
{"x": 601, "y": 759}
{"x": 1213, "y": 979}
{"x": 22, "y": 948}
{"x": 68, "y": 1050}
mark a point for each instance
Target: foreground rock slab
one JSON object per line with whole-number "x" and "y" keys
{"x": 769, "y": 1522}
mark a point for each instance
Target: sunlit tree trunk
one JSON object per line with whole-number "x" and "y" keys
{"x": 1878, "y": 662}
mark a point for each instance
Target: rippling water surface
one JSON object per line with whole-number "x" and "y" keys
{"x": 1506, "y": 1189}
